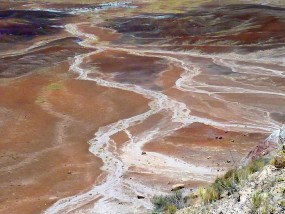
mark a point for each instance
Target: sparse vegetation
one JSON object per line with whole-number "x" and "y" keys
{"x": 260, "y": 203}
{"x": 279, "y": 160}
{"x": 257, "y": 199}
{"x": 171, "y": 209}
{"x": 257, "y": 188}
{"x": 40, "y": 100}
{"x": 229, "y": 182}
{"x": 168, "y": 203}
{"x": 55, "y": 86}
{"x": 208, "y": 194}
{"x": 282, "y": 203}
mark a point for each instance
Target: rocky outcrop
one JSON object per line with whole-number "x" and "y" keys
{"x": 263, "y": 193}
{"x": 267, "y": 148}
{"x": 177, "y": 187}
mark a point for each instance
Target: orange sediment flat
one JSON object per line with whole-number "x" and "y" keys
{"x": 50, "y": 159}
{"x": 197, "y": 142}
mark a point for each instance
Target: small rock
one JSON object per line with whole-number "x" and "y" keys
{"x": 140, "y": 197}
{"x": 220, "y": 138}
{"x": 143, "y": 153}
{"x": 176, "y": 187}
{"x": 228, "y": 161}
{"x": 69, "y": 172}
{"x": 209, "y": 157}
{"x": 225, "y": 194}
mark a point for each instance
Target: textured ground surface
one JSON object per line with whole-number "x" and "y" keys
{"x": 86, "y": 87}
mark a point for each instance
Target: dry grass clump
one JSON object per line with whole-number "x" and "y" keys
{"x": 171, "y": 209}
{"x": 257, "y": 200}
{"x": 168, "y": 203}
{"x": 279, "y": 160}
{"x": 229, "y": 182}
{"x": 40, "y": 100}
{"x": 260, "y": 203}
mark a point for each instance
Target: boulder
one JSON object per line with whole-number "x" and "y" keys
{"x": 176, "y": 187}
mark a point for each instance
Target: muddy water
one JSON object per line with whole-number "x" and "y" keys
{"x": 193, "y": 87}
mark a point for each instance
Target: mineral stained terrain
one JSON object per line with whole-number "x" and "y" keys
{"x": 105, "y": 104}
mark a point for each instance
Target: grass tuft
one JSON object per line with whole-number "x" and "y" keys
{"x": 171, "y": 209}
{"x": 40, "y": 100}
{"x": 257, "y": 200}
{"x": 55, "y": 86}
{"x": 208, "y": 194}
{"x": 279, "y": 160}
{"x": 169, "y": 203}
{"x": 229, "y": 182}
{"x": 260, "y": 203}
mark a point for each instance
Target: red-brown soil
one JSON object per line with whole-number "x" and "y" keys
{"x": 44, "y": 150}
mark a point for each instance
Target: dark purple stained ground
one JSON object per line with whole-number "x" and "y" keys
{"x": 43, "y": 56}
{"x": 211, "y": 29}
{"x": 20, "y": 25}
{"x": 127, "y": 68}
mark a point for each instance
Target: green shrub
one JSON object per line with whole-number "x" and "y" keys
{"x": 171, "y": 209}
{"x": 225, "y": 183}
{"x": 267, "y": 209}
{"x": 279, "y": 160}
{"x": 229, "y": 173}
{"x": 208, "y": 194}
{"x": 255, "y": 166}
{"x": 229, "y": 182}
{"x": 166, "y": 203}
{"x": 257, "y": 200}
{"x": 260, "y": 203}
